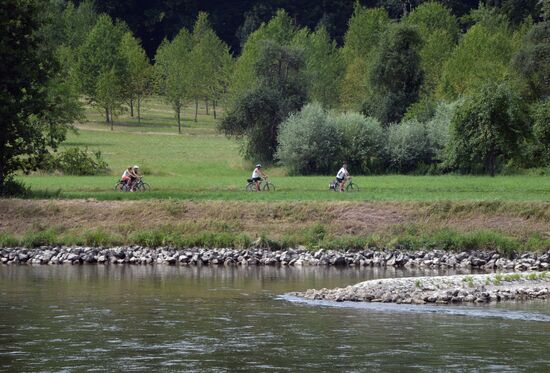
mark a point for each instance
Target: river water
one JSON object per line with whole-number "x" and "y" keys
{"x": 161, "y": 318}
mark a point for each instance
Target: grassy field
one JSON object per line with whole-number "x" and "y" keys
{"x": 201, "y": 164}
{"x": 198, "y": 199}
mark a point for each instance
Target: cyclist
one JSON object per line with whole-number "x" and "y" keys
{"x": 342, "y": 176}
{"x": 129, "y": 176}
{"x": 257, "y": 176}
{"x": 135, "y": 177}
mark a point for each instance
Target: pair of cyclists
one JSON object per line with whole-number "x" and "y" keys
{"x": 341, "y": 177}
{"x": 130, "y": 176}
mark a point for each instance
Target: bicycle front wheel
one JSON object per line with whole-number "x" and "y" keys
{"x": 268, "y": 187}
{"x": 143, "y": 187}
{"x": 352, "y": 188}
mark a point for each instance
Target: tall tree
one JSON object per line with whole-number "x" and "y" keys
{"x": 396, "y": 74}
{"x": 362, "y": 38}
{"x": 482, "y": 55}
{"x": 138, "y": 85}
{"x": 26, "y": 69}
{"x": 439, "y": 31}
{"x": 323, "y": 65}
{"x": 256, "y": 115}
{"x": 487, "y": 129}
{"x": 532, "y": 61}
{"x": 172, "y": 71}
{"x": 101, "y": 54}
{"x": 280, "y": 29}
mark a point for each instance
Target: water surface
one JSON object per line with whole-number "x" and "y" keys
{"x": 160, "y": 318}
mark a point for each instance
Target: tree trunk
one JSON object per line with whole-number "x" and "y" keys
{"x": 51, "y": 133}
{"x": 132, "y": 108}
{"x": 196, "y": 108}
{"x": 111, "y": 112}
{"x": 178, "y": 114}
{"x": 214, "y": 108}
{"x": 107, "y": 115}
{"x": 139, "y": 110}
{"x": 206, "y": 102}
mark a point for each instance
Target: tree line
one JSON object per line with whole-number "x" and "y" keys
{"x": 449, "y": 94}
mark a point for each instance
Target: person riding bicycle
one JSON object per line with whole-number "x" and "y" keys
{"x": 342, "y": 176}
{"x": 257, "y": 176}
{"x": 130, "y": 175}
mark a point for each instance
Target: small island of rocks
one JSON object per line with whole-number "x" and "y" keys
{"x": 478, "y": 288}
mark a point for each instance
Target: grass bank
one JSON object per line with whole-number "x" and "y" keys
{"x": 498, "y": 225}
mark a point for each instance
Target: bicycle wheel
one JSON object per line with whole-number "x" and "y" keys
{"x": 250, "y": 187}
{"x": 352, "y": 187}
{"x": 268, "y": 187}
{"x": 120, "y": 187}
{"x": 143, "y": 187}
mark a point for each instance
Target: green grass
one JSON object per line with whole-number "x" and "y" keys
{"x": 313, "y": 238}
{"x": 201, "y": 164}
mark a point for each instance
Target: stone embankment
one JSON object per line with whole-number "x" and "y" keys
{"x": 442, "y": 290}
{"x": 484, "y": 260}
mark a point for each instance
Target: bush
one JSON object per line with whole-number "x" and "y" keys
{"x": 541, "y": 131}
{"x": 487, "y": 130}
{"x": 14, "y": 188}
{"x": 309, "y": 141}
{"x": 438, "y": 129}
{"x": 407, "y": 146}
{"x": 361, "y": 141}
{"x": 317, "y": 141}
{"x": 76, "y": 161}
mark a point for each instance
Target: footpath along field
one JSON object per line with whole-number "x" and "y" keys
{"x": 200, "y": 176}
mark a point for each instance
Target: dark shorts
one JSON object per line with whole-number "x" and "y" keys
{"x": 339, "y": 180}
{"x": 256, "y": 179}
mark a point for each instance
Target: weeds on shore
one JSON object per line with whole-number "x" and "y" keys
{"x": 313, "y": 238}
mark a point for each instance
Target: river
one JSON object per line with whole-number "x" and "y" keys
{"x": 162, "y": 318}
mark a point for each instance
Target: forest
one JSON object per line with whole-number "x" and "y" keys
{"x": 388, "y": 86}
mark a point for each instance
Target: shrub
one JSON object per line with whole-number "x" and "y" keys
{"x": 487, "y": 130}
{"x": 438, "y": 129}
{"x": 14, "y": 188}
{"x": 308, "y": 141}
{"x": 407, "y": 146}
{"x": 317, "y": 141}
{"x": 76, "y": 161}
{"x": 541, "y": 130}
{"x": 361, "y": 141}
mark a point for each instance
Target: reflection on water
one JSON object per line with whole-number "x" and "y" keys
{"x": 164, "y": 318}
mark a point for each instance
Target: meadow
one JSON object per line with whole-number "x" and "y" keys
{"x": 198, "y": 198}
{"x": 202, "y": 164}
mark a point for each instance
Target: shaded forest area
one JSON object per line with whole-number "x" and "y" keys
{"x": 234, "y": 20}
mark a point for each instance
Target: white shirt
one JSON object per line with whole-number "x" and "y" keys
{"x": 342, "y": 173}
{"x": 126, "y": 173}
{"x": 256, "y": 173}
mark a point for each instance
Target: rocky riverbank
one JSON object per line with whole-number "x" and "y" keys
{"x": 484, "y": 260}
{"x": 481, "y": 288}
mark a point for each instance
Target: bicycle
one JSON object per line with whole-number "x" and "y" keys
{"x": 265, "y": 185}
{"x": 139, "y": 186}
{"x": 350, "y": 187}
